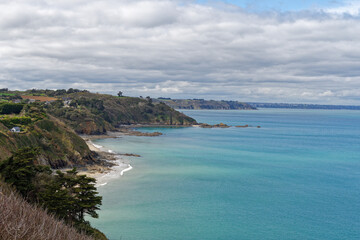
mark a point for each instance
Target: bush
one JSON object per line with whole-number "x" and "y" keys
{"x": 15, "y": 121}
{"x": 9, "y": 108}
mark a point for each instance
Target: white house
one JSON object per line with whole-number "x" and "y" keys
{"x": 15, "y": 129}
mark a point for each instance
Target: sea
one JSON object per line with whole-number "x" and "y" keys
{"x": 297, "y": 177}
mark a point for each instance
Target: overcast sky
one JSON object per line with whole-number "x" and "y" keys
{"x": 266, "y": 51}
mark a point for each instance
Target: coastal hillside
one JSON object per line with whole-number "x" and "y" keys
{"x": 94, "y": 113}
{"x": 51, "y": 119}
{"x": 58, "y": 144}
{"x": 204, "y": 104}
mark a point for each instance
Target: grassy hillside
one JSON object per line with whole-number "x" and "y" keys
{"x": 204, "y": 104}
{"x": 59, "y": 145}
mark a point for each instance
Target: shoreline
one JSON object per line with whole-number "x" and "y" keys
{"x": 115, "y": 165}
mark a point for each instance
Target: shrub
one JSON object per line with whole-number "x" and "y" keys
{"x": 9, "y": 108}
{"x": 16, "y": 121}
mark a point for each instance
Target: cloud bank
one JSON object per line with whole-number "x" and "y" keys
{"x": 181, "y": 49}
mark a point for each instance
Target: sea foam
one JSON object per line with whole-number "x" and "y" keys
{"x": 115, "y": 172}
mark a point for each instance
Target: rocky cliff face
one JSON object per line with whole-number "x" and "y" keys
{"x": 59, "y": 145}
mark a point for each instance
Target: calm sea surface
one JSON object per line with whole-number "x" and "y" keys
{"x": 297, "y": 177}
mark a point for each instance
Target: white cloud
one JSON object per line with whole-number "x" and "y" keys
{"x": 179, "y": 49}
{"x": 350, "y": 7}
{"x": 326, "y": 94}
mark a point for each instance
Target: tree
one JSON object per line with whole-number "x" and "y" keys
{"x": 19, "y": 170}
{"x": 120, "y": 94}
{"x": 71, "y": 196}
{"x": 56, "y": 199}
{"x": 148, "y": 98}
{"x": 87, "y": 201}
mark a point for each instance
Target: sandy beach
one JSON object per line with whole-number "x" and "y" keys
{"x": 113, "y": 165}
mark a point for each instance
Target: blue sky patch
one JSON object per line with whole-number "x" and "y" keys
{"x": 281, "y": 5}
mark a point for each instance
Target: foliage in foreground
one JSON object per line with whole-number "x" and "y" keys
{"x": 66, "y": 195}
{"x": 21, "y": 220}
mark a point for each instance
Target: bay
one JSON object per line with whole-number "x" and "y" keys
{"x": 296, "y": 177}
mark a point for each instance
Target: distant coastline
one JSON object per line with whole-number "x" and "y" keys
{"x": 303, "y": 106}
{"x": 202, "y": 104}
{"x": 199, "y": 104}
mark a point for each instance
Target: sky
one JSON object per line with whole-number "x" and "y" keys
{"x": 256, "y": 51}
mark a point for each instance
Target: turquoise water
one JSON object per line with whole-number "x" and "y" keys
{"x": 297, "y": 177}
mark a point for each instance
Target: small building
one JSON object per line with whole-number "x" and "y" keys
{"x": 66, "y": 101}
{"x": 17, "y": 101}
{"x": 15, "y": 129}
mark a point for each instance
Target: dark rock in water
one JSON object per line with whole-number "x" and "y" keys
{"x": 242, "y": 126}
{"x": 258, "y": 126}
{"x": 220, "y": 125}
{"x": 145, "y": 134}
{"x": 132, "y": 132}
{"x": 130, "y": 155}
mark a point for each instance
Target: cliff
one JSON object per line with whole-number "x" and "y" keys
{"x": 204, "y": 104}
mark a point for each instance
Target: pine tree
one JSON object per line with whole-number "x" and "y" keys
{"x": 87, "y": 201}
{"x": 19, "y": 170}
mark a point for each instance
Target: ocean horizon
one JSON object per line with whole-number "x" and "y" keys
{"x": 296, "y": 177}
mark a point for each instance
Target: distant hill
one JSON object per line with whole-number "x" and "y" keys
{"x": 204, "y": 104}
{"x": 303, "y": 106}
